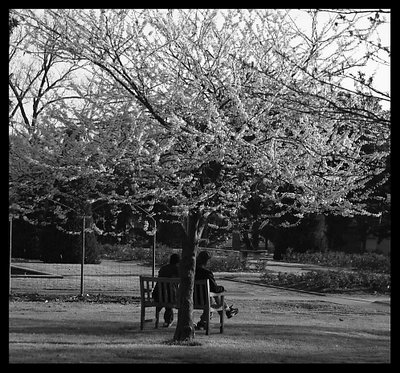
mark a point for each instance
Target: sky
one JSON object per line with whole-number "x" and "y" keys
{"x": 382, "y": 72}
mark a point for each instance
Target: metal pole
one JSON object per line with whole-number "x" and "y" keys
{"x": 154, "y": 248}
{"x": 154, "y": 238}
{"x": 9, "y": 265}
{"x": 83, "y": 254}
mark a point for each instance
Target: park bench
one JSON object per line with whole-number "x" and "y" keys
{"x": 168, "y": 296}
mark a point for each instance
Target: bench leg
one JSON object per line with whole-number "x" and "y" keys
{"x": 158, "y": 309}
{"x": 221, "y": 322}
{"x": 142, "y": 316}
{"x": 208, "y": 322}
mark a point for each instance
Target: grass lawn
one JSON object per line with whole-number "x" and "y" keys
{"x": 273, "y": 325}
{"x": 266, "y": 331}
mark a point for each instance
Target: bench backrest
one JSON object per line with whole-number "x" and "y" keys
{"x": 168, "y": 292}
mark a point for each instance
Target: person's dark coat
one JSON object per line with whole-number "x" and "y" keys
{"x": 204, "y": 274}
{"x": 168, "y": 270}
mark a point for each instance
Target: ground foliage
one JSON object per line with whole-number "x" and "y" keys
{"x": 368, "y": 272}
{"x": 331, "y": 281}
{"x": 373, "y": 262}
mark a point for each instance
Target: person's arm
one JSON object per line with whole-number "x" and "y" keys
{"x": 213, "y": 284}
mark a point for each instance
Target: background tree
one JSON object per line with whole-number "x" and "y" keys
{"x": 38, "y": 77}
{"x": 38, "y": 80}
{"x": 219, "y": 99}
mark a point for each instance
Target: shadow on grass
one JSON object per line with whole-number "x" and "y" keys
{"x": 43, "y": 340}
{"x": 233, "y": 333}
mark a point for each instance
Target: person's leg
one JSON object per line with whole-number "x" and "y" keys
{"x": 203, "y": 321}
{"x": 168, "y": 316}
{"x": 158, "y": 309}
{"x": 203, "y": 318}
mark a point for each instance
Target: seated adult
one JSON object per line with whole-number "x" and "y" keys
{"x": 202, "y": 273}
{"x": 168, "y": 270}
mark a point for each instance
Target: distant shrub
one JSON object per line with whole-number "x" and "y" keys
{"x": 331, "y": 281}
{"x": 372, "y": 262}
{"x": 229, "y": 262}
{"x": 368, "y": 261}
{"x": 124, "y": 252}
{"x": 25, "y": 240}
{"x": 163, "y": 252}
{"x": 59, "y": 247}
{"x": 129, "y": 252}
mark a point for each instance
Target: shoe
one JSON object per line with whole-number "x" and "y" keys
{"x": 231, "y": 312}
{"x": 200, "y": 325}
{"x": 167, "y": 324}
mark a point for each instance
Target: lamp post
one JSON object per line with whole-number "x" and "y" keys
{"x": 154, "y": 247}
{"x": 154, "y": 238}
{"x": 10, "y": 258}
{"x": 83, "y": 253}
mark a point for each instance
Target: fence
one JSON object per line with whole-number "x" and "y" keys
{"x": 109, "y": 277}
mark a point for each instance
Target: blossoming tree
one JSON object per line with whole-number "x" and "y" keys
{"x": 218, "y": 101}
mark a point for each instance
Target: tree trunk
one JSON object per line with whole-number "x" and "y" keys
{"x": 255, "y": 235}
{"x": 193, "y": 228}
{"x": 320, "y": 237}
{"x": 247, "y": 240}
{"x": 236, "y": 239}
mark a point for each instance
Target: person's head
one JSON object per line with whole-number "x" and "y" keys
{"x": 174, "y": 259}
{"x": 203, "y": 258}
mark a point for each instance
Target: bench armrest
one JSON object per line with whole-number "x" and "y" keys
{"x": 222, "y": 293}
